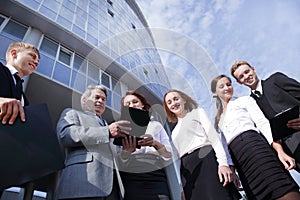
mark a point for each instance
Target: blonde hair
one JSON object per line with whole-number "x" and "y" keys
{"x": 20, "y": 46}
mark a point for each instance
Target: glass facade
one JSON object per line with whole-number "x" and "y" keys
{"x": 111, "y": 26}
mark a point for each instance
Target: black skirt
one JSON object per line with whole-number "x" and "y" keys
{"x": 261, "y": 173}
{"x": 145, "y": 186}
{"x": 200, "y": 180}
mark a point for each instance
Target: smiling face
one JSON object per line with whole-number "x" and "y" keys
{"x": 133, "y": 101}
{"x": 246, "y": 75}
{"x": 24, "y": 60}
{"x": 96, "y": 102}
{"x": 176, "y": 104}
{"x": 224, "y": 89}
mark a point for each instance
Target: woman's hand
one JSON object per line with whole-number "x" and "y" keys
{"x": 225, "y": 175}
{"x": 288, "y": 162}
{"x": 147, "y": 140}
{"x": 129, "y": 144}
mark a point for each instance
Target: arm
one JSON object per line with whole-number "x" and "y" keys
{"x": 75, "y": 131}
{"x": 10, "y": 109}
{"x": 157, "y": 137}
{"x": 288, "y": 162}
{"x": 224, "y": 172}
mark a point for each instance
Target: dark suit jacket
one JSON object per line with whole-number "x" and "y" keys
{"x": 279, "y": 93}
{"x": 7, "y": 86}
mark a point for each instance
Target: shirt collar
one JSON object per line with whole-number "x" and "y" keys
{"x": 258, "y": 87}
{"x": 11, "y": 69}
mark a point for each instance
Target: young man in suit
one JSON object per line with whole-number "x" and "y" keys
{"x": 21, "y": 60}
{"x": 85, "y": 135}
{"x": 273, "y": 95}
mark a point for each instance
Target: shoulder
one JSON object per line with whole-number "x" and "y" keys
{"x": 276, "y": 75}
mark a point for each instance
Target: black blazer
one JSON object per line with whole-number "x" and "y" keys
{"x": 7, "y": 86}
{"x": 279, "y": 93}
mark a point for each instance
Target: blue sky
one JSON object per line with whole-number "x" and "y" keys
{"x": 199, "y": 39}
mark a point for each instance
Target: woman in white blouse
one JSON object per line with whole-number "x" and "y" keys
{"x": 248, "y": 135}
{"x": 142, "y": 169}
{"x": 204, "y": 169}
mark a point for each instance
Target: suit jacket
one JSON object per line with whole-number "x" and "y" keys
{"x": 279, "y": 93}
{"x": 89, "y": 158}
{"x": 7, "y": 86}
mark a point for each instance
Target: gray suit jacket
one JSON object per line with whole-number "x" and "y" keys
{"x": 89, "y": 157}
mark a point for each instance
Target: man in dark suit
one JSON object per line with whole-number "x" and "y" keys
{"x": 273, "y": 95}
{"x": 85, "y": 135}
{"x": 21, "y": 60}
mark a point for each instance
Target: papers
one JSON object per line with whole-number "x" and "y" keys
{"x": 29, "y": 150}
{"x": 279, "y": 121}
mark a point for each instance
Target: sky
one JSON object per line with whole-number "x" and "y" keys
{"x": 200, "y": 39}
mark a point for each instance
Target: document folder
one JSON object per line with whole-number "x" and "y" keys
{"x": 29, "y": 150}
{"x": 279, "y": 121}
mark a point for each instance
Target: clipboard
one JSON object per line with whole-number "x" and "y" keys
{"x": 29, "y": 150}
{"x": 139, "y": 120}
{"x": 279, "y": 121}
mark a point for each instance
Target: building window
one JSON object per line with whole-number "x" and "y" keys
{"x": 146, "y": 72}
{"x": 110, "y": 12}
{"x": 93, "y": 72}
{"x": 116, "y": 85}
{"x": 79, "y": 64}
{"x": 105, "y": 80}
{"x": 65, "y": 56}
{"x": 15, "y": 30}
{"x": 49, "y": 47}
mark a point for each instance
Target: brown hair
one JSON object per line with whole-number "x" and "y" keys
{"x": 147, "y": 106}
{"x": 189, "y": 105}
{"x": 236, "y": 65}
{"x": 19, "y": 46}
{"x": 219, "y": 105}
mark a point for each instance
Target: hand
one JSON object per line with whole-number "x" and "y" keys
{"x": 147, "y": 140}
{"x": 129, "y": 144}
{"x": 225, "y": 175}
{"x": 294, "y": 124}
{"x": 119, "y": 128}
{"x": 10, "y": 109}
{"x": 288, "y": 162}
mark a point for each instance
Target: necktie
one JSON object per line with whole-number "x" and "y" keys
{"x": 102, "y": 121}
{"x": 257, "y": 93}
{"x": 19, "y": 86}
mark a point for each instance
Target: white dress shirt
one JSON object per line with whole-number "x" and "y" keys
{"x": 195, "y": 130}
{"x": 13, "y": 71}
{"x": 243, "y": 114}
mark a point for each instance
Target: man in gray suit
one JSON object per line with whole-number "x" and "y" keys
{"x": 88, "y": 172}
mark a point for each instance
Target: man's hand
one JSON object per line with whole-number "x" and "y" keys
{"x": 294, "y": 124}
{"x": 10, "y": 109}
{"x": 119, "y": 128}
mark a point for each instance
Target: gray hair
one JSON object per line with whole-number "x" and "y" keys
{"x": 89, "y": 90}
